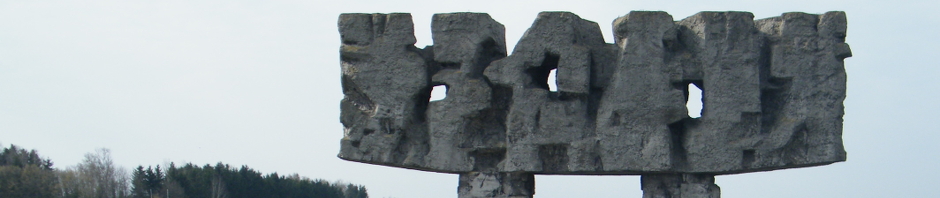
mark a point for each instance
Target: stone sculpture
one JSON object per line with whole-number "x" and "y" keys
{"x": 772, "y": 96}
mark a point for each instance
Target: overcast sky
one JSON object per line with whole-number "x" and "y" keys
{"x": 257, "y": 83}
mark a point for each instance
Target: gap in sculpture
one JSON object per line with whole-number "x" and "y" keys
{"x": 694, "y": 103}
{"x": 771, "y": 92}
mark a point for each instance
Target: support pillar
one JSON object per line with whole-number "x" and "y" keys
{"x": 496, "y": 185}
{"x": 679, "y": 186}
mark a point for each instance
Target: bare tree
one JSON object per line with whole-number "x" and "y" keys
{"x": 96, "y": 177}
{"x": 218, "y": 187}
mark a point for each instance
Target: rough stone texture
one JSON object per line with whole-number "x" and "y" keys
{"x": 492, "y": 184}
{"x": 385, "y": 80}
{"x": 772, "y": 96}
{"x": 679, "y": 185}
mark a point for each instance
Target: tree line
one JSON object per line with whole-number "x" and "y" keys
{"x": 25, "y": 174}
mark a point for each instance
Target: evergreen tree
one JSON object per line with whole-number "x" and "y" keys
{"x": 222, "y": 180}
{"x": 139, "y": 187}
{"x": 15, "y": 156}
{"x": 355, "y": 191}
{"x": 25, "y": 174}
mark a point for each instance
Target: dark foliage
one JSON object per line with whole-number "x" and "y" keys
{"x": 25, "y": 174}
{"x": 19, "y": 157}
{"x": 148, "y": 182}
{"x": 224, "y": 181}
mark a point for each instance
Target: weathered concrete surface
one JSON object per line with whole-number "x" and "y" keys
{"x": 772, "y": 96}
{"x": 679, "y": 185}
{"x": 773, "y": 91}
{"x": 498, "y": 185}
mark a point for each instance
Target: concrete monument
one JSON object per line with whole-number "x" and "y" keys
{"x": 772, "y": 98}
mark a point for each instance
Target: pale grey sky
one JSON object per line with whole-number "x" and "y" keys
{"x": 257, "y": 83}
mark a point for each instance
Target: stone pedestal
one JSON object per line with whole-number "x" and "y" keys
{"x": 497, "y": 185}
{"x": 679, "y": 186}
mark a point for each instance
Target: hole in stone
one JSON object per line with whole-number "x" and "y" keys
{"x": 438, "y": 93}
{"x": 552, "y": 86}
{"x": 367, "y": 132}
{"x": 694, "y": 102}
{"x": 539, "y": 75}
